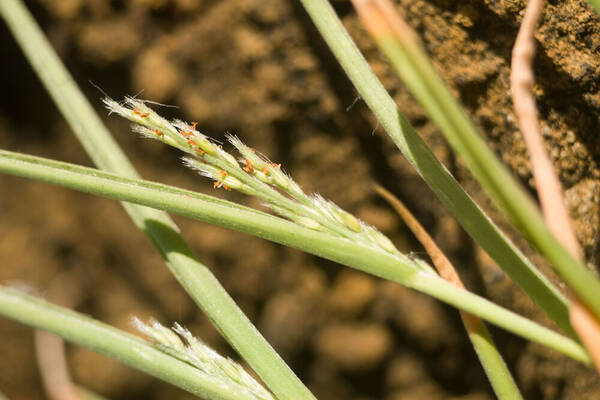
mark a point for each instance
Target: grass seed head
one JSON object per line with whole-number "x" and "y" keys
{"x": 253, "y": 174}
{"x": 178, "y": 342}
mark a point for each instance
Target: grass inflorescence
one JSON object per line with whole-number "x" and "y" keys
{"x": 178, "y": 342}
{"x": 253, "y": 174}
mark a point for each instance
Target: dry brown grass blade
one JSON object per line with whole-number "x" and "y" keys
{"x": 50, "y": 349}
{"x": 50, "y": 352}
{"x": 548, "y": 186}
{"x": 586, "y": 326}
{"x": 521, "y": 83}
{"x": 440, "y": 261}
{"x": 381, "y": 19}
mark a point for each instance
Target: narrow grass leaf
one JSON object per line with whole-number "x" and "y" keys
{"x": 411, "y": 63}
{"x": 468, "y": 214}
{"x": 547, "y": 184}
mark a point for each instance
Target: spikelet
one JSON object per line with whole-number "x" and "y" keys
{"x": 178, "y": 342}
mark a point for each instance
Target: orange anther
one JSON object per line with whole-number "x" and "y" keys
{"x": 265, "y": 170}
{"x": 185, "y": 134}
{"x": 217, "y": 184}
{"x": 223, "y": 173}
{"x": 248, "y": 168}
{"x": 194, "y": 125}
{"x": 226, "y": 187}
{"x": 200, "y": 151}
{"x": 191, "y": 142}
{"x": 138, "y": 112}
{"x": 159, "y": 132}
{"x": 274, "y": 165}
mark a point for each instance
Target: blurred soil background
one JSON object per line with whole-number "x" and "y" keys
{"x": 258, "y": 68}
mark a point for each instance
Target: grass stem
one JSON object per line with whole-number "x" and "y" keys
{"x": 356, "y": 255}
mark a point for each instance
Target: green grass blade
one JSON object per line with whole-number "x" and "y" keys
{"x": 111, "y": 342}
{"x": 468, "y": 214}
{"x": 414, "y": 67}
{"x": 197, "y": 280}
{"x": 596, "y": 4}
{"x": 362, "y": 257}
{"x": 495, "y": 368}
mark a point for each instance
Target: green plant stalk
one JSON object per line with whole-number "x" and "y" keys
{"x": 493, "y": 364}
{"x": 485, "y": 233}
{"x": 195, "y": 277}
{"x": 361, "y": 257}
{"x": 111, "y": 342}
{"x": 415, "y": 68}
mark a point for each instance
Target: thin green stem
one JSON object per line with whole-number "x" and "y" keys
{"x": 493, "y": 364}
{"x": 104, "y": 339}
{"x": 413, "y": 65}
{"x": 447, "y": 292}
{"x": 356, "y": 255}
{"x": 194, "y": 276}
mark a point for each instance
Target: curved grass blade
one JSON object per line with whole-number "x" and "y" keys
{"x": 485, "y": 233}
{"x": 412, "y": 64}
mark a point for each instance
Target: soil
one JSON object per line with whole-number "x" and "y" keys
{"x": 258, "y": 68}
